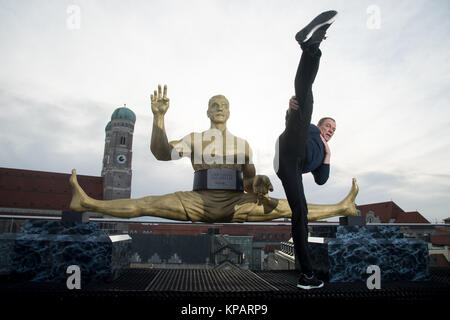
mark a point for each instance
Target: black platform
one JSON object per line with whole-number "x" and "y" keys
{"x": 171, "y": 290}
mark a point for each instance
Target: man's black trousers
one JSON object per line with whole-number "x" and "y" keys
{"x": 292, "y": 152}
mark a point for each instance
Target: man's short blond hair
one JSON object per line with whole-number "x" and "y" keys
{"x": 321, "y": 121}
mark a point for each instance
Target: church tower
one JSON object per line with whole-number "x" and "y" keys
{"x": 116, "y": 170}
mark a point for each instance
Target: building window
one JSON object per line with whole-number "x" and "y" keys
{"x": 122, "y": 140}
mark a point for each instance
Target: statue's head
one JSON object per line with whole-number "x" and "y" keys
{"x": 218, "y": 109}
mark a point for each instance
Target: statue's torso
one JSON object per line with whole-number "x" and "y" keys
{"x": 211, "y": 149}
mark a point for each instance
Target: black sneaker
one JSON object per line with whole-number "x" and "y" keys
{"x": 326, "y": 17}
{"x": 312, "y": 45}
{"x": 305, "y": 282}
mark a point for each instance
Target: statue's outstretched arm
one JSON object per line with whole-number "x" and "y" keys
{"x": 257, "y": 184}
{"x": 249, "y": 174}
{"x": 253, "y": 183}
{"x": 159, "y": 144}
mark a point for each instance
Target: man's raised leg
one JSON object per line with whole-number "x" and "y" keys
{"x": 292, "y": 144}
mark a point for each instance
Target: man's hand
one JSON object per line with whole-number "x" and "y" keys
{"x": 262, "y": 186}
{"x": 160, "y": 102}
{"x": 293, "y": 104}
{"x": 327, "y": 150}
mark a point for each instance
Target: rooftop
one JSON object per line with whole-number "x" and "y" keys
{"x": 29, "y": 189}
{"x": 175, "y": 288}
{"x": 389, "y": 212}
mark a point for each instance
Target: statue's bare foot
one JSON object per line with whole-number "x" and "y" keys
{"x": 349, "y": 201}
{"x": 77, "y": 193}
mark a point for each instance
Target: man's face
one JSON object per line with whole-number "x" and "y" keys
{"x": 218, "y": 110}
{"x": 327, "y": 129}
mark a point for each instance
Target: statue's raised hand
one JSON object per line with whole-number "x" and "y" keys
{"x": 160, "y": 102}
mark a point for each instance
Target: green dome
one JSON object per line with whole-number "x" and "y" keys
{"x": 123, "y": 113}
{"x": 108, "y": 126}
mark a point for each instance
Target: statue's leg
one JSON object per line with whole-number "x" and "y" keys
{"x": 281, "y": 209}
{"x": 164, "y": 206}
{"x": 346, "y": 207}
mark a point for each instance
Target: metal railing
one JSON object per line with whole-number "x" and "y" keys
{"x": 14, "y": 223}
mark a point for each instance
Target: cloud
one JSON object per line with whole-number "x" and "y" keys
{"x": 48, "y": 135}
{"x": 387, "y": 88}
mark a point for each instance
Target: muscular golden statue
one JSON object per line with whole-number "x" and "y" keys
{"x": 212, "y": 152}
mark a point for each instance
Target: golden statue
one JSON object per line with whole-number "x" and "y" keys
{"x": 226, "y": 187}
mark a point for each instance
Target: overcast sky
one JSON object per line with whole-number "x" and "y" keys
{"x": 384, "y": 76}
